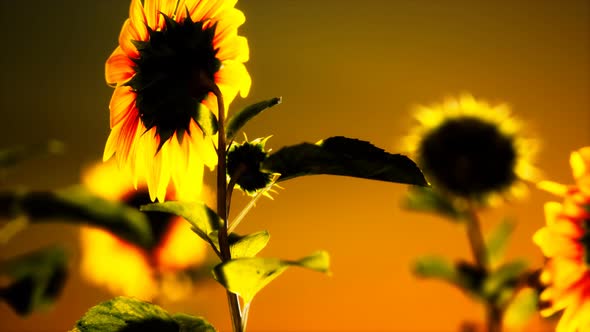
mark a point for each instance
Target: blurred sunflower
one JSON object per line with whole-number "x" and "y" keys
{"x": 124, "y": 268}
{"x": 565, "y": 241}
{"x": 172, "y": 56}
{"x": 471, "y": 149}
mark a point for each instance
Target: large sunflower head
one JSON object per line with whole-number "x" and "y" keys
{"x": 172, "y": 56}
{"x": 565, "y": 241}
{"x": 125, "y": 268}
{"x": 471, "y": 149}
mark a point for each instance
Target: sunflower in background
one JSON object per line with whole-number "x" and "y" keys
{"x": 565, "y": 241}
{"x": 472, "y": 150}
{"x": 126, "y": 269}
{"x": 173, "y": 59}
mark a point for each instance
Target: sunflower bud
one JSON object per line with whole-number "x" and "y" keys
{"x": 244, "y": 165}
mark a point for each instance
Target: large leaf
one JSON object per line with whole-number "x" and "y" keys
{"x": 14, "y": 155}
{"x": 424, "y": 199}
{"x": 247, "y": 276}
{"x": 198, "y": 214}
{"x": 77, "y": 205}
{"x": 239, "y": 119}
{"x": 123, "y": 314}
{"x": 36, "y": 279}
{"x": 346, "y": 157}
{"x": 497, "y": 241}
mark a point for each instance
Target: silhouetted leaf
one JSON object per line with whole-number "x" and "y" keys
{"x": 239, "y": 119}
{"x": 123, "y": 314}
{"x": 497, "y": 241}
{"x": 77, "y": 205}
{"x": 36, "y": 279}
{"x": 198, "y": 214}
{"x": 14, "y": 155}
{"x": 346, "y": 157}
{"x": 247, "y": 276}
{"x": 424, "y": 199}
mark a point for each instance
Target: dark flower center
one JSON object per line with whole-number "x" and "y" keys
{"x": 174, "y": 73}
{"x": 159, "y": 222}
{"x": 469, "y": 157}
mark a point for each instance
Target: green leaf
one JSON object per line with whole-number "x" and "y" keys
{"x": 239, "y": 119}
{"x": 497, "y": 241}
{"x": 12, "y": 156}
{"x": 207, "y": 121}
{"x": 198, "y": 214}
{"x": 504, "y": 277}
{"x": 248, "y": 245}
{"x": 36, "y": 279}
{"x": 425, "y": 199}
{"x": 521, "y": 309}
{"x": 123, "y": 314}
{"x": 247, "y": 276}
{"x": 188, "y": 323}
{"x": 435, "y": 267}
{"x": 346, "y": 157}
{"x": 462, "y": 275}
{"x": 77, "y": 205}
{"x": 241, "y": 246}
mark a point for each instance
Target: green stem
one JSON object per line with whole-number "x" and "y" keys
{"x": 233, "y": 301}
{"x": 476, "y": 241}
{"x": 478, "y": 248}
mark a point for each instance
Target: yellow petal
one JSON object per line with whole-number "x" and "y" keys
{"x": 118, "y": 68}
{"x": 121, "y": 104}
{"x": 127, "y": 35}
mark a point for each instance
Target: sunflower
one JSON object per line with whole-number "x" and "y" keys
{"x": 125, "y": 268}
{"x": 172, "y": 57}
{"x": 471, "y": 149}
{"x": 565, "y": 241}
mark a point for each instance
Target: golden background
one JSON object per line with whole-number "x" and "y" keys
{"x": 352, "y": 68}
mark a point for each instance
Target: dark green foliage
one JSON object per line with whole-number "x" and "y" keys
{"x": 429, "y": 200}
{"x": 346, "y": 157}
{"x": 203, "y": 220}
{"x": 239, "y": 119}
{"x": 36, "y": 279}
{"x": 77, "y": 205}
{"x": 123, "y": 314}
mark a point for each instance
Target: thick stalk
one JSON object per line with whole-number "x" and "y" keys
{"x": 479, "y": 251}
{"x": 233, "y": 301}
